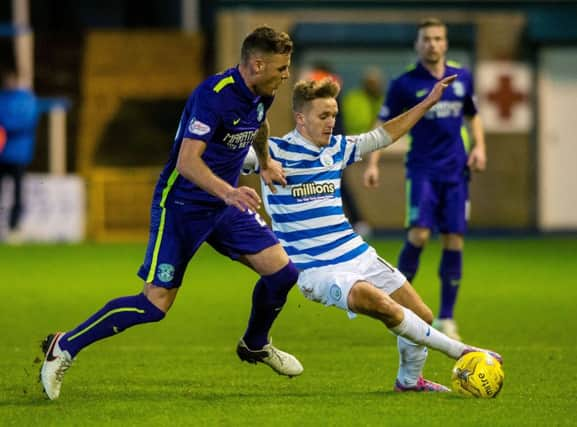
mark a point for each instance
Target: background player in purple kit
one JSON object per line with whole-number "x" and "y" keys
{"x": 437, "y": 164}
{"x": 197, "y": 200}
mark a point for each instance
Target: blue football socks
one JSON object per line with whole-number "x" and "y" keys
{"x": 450, "y": 272}
{"x": 409, "y": 260}
{"x": 116, "y": 316}
{"x": 268, "y": 298}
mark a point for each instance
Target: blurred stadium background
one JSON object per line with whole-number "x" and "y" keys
{"x": 117, "y": 74}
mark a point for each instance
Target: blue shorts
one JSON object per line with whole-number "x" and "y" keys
{"x": 437, "y": 205}
{"x": 177, "y": 231}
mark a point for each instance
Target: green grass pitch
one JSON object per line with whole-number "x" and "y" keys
{"x": 519, "y": 296}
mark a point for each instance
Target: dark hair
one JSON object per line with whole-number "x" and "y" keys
{"x": 431, "y": 22}
{"x": 265, "y": 40}
{"x": 308, "y": 90}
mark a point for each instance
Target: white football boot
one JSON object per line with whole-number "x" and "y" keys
{"x": 281, "y": 362}
{"x": 56, "y": 363}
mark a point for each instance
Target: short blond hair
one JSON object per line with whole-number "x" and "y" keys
{"x": 308, "y": 90}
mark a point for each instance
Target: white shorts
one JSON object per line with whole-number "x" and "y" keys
{"x": 331, "y": 285}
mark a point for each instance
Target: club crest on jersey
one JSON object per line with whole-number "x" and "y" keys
{"x": 260, "y": 112}
{"x": 165, "y": 272}
{"x": 335, "y": 292}
{"x": 458, "y": 89}
{"x": 327, "y": 159}
{"x": 197, "y": 127}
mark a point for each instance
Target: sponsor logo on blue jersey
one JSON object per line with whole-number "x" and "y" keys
{"x": 311, "y": 190}
{"x": 240, "y": 140}
{"x": 260, "y": 112}
{"x": 444, "y": 109}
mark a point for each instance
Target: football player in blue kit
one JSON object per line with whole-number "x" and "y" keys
{"x": 197, "y": 199}
{"x": 438, "y": 162}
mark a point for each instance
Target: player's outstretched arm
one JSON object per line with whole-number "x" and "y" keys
{"x": 390, "y": 131}
{"x": 400, "y": 125}
{"x": 191, "y": 166}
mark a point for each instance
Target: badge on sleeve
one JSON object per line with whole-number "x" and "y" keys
{"x": 197, "y": 127}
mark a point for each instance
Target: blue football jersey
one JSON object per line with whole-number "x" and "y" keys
{"x": 226, "y": 115}
{"x": 439, "y": 141}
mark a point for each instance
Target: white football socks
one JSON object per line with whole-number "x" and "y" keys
{"x": 412, "y": 358}
{"x": 417, "y": 330}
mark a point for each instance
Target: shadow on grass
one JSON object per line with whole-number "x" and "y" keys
{"x": 180, "y": 390}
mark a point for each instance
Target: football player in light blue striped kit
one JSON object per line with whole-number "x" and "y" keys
{"x": 337, "y": 267}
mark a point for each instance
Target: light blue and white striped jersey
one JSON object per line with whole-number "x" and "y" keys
{"x": 307, "y": 215}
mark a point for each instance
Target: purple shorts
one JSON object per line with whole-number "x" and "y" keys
{"x": 178, "y": 230}
{"x": 442, "y": 206}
